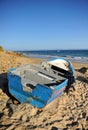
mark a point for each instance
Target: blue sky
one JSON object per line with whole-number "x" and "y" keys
{"x": 43, "y": 24}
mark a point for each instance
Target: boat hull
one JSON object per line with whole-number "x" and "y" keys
{"x": 39, "y": 86}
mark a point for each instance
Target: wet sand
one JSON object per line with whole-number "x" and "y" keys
{"x": 68, "y": 112}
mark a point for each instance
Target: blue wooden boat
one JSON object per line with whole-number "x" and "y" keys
{"x": 40, "y": 84}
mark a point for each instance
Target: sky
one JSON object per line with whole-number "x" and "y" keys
{"x": 43, "y": 24}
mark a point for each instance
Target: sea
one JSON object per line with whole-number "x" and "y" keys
{"x": 72, "y": 55}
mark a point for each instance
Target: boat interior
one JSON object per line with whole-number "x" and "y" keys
{"x": 32, "y": 75}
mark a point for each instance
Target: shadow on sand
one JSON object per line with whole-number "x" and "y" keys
{"x": 4, "y": 84}
{"x": 83, "y": 71}
{"x": 11, "y": 102}
{"x": 80, "y": 78}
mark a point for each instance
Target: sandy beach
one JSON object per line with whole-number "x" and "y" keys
{"x": 68, "y": 112}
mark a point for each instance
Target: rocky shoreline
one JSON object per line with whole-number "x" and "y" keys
{"x": 68, "y": 112}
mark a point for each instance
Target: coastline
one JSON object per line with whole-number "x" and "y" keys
{"x": 72, "y": 55}
{"x": 11, "y": 59}
{"x": 69, "y": 111}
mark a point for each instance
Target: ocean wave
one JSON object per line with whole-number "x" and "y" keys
{"x": 72, "y": 58}
{"x": 78, "y": 59}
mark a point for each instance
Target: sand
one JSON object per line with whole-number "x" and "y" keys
{"x": 68, "y": 112}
